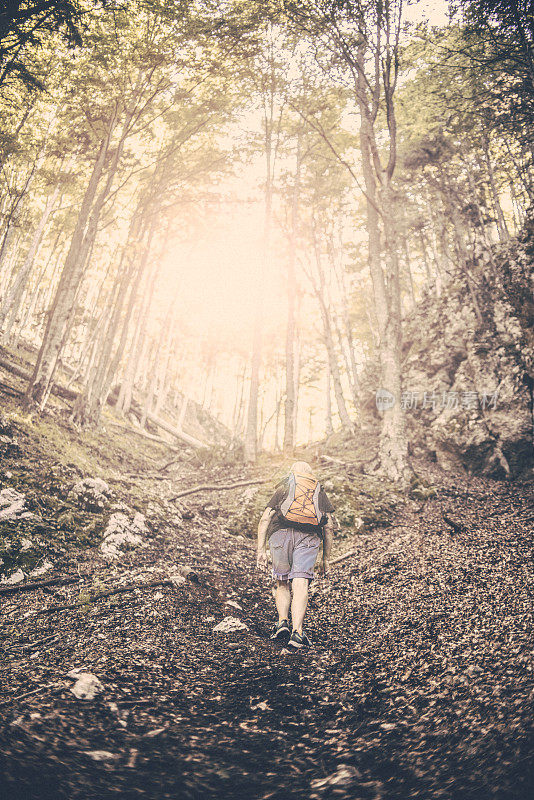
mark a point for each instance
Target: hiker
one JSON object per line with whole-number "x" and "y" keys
{"x": 297, "y": 517}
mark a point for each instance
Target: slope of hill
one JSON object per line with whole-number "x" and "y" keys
{"x": 418, "y": 683}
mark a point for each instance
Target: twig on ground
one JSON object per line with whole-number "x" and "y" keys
{"x": 214, "y": 488}
{"x": 27, "y": 587}
{"x": 457, "y": 527}
{"x": 343, "y": 557}
{"x": 29, "y": 694}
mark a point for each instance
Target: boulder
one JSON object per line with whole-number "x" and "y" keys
{"x": 87, "y": 685}
{"x": 45, "y": 567}
{"x": 468, "y": 378}
{"x": 16, "y": 577}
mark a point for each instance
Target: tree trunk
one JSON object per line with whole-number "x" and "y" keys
{"x": 251, "y": 432}
{"x": 393, "y": 443}
{"x": 424, "y": 254}
{"x": 328, "y": 412}
{"x": 352, "y": 369}
{"x": 502, "y": 227}
{"x": 290, "y": 402}
{"x": 11, "y": 304}
{"x": 153, "y": 361}
{"x": 92, "y": 399}
{"x": 40, "y": 384}
{"x": 162, "y": 385}
{"x": 137, "y": 345}
{"x": 320, "y": 291}
{"x": 30, "y": 297}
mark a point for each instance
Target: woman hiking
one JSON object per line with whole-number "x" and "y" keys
{"x": 297, "y": 517}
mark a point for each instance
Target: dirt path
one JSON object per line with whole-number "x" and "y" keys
{"x": 418, "y": 684}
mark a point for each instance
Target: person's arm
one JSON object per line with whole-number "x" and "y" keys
{"x": 262, "y": 561}
{"x": 328, "y": 535}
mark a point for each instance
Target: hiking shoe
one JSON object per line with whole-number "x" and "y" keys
{"x": 281, "y": 629}
{"x": 298, "y": 641}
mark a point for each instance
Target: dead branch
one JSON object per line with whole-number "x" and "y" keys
{"x": 343, "y": 557}
{"x": 146, "y": 435}
{"x": 457, "y": 527}
{"x": 214, "y": 488}
{"x": 28, "y": 587}
{"x": 60, "y": 391}
{"x": 28, "y": 694}
{"x": 179, "y": 434}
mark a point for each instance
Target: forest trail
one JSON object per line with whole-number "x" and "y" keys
{"x": 418, "y": 683}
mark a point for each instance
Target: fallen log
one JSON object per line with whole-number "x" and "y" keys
{"x": 28, "y": 587}
{"x": 60, "y": 391}
{"x": 10, "y": 390}
{"x": 216, "y": 488}
{"x": 176, "y": 432}
{"x": 145, "y": 435}
{"x": 71, "y": 394}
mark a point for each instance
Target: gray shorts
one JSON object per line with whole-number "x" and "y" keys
{"x": 294, "y": 553}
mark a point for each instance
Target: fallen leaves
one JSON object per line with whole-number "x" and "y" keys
{"x": 417, "y": 685}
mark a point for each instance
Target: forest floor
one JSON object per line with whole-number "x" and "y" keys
{"x": 418, "y": 683}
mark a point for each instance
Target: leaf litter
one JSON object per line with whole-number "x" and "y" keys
{"x": 418, "y": 684}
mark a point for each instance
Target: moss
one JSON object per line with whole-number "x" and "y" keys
{"x": 13, "y": 558}
{"x": 52, "y": 457}
{"x": 84, "y": 600}
{"x": 362, "y": 503}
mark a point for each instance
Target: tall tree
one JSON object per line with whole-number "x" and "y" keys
{"x": 364, "y": 38}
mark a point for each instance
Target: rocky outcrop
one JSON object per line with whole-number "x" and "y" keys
{"x": 468, "y": 365}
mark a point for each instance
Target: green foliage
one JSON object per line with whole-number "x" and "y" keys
{"x": 23, "y": 27}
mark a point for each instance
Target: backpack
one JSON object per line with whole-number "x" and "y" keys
{"x": 301, "y": 504}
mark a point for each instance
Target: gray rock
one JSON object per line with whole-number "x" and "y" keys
{"x": 122, "y": 534}
{"x": 93, "y": 494}
{"x": 16, "y": 577}
{"x": 478, "y": 372}
{"x": 229, "y": 625}
{"x": 11, "y": 503}
{"x": 101, "y": 755}
{"x": 87, "y": 685}
{"x": 45, "y": 567}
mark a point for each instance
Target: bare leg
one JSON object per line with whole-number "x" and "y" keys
{"x": 299, "y": 603}
{"x": 282, "y": 597}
